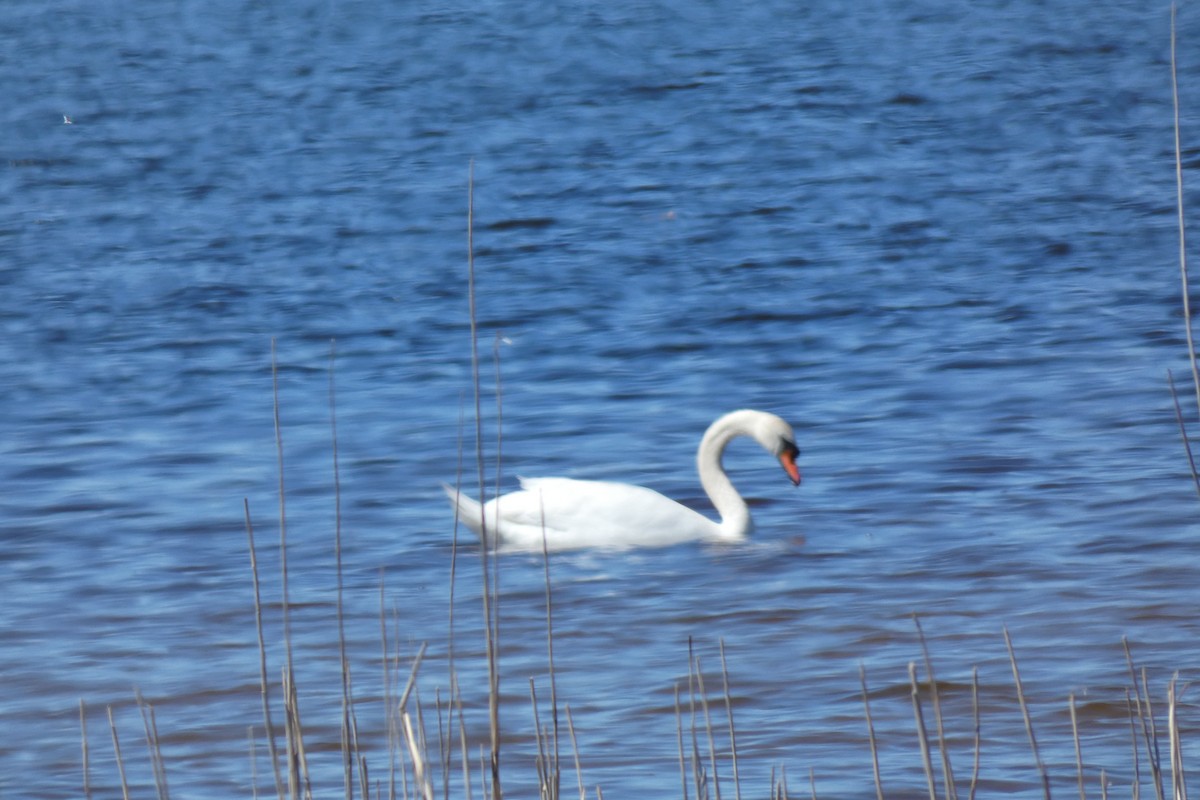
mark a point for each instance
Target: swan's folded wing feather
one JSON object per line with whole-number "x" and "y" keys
{"x": 601, "y": 513}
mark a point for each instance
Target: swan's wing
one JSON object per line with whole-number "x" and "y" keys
{"x": 576, "y": 513}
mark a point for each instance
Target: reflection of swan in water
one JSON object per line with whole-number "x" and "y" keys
{"x": 572, "y": 513}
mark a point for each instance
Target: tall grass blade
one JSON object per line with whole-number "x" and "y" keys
{"x": 683, "y": 789}
{"x": 1146, "y": 716}
{"x": 555, "y": 769}
{"x": 1078, "y": 748}
{"x": 262, "y": 657}
{"x": 926, "y": 761}
{"x": 1178, "y": 783}
{"x": 862, "y": 679}
{"x": 575, "y": 750}
{"x": 1133, "y": 741}
{"x": 978, "y": 728}
{"x": 1183, "y": 269}
{"x": 489, "y": 615}
{"x": 1037, "y": 758}
{"x": 943, "y": 747}
{"x": 349, "y": 744}
{"x": 116, "y": 740}
{"x": 150, "y": 725}
{"x": 708, "y": 729}
{"x": 1156, "y": 757}
{"x": 1187, "y": 445}
{"x": 87, "y": 771}
{"x": 733, "y": 749}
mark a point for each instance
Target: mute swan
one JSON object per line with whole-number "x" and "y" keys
{"x": 573, "y": 513}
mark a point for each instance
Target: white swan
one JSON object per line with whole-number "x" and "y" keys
{"x": 573, "y": 514}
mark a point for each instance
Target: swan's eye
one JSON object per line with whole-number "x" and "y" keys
{"x": 791, "y": 449}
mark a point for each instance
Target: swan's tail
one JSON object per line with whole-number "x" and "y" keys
{"x": 468, "y": 511}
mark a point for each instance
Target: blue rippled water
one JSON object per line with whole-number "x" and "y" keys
{"x": 940, "y": 240}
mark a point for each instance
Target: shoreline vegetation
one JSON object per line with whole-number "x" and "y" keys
{"x": 429, "y": 754}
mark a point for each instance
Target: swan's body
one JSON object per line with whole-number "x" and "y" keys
{"x": 571, "y": 513}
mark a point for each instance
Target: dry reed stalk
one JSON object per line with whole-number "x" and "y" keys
{"x": 556, "y": 770}
{"x": 920, "y": 720}
{"x": 698, "y": 774}
{"x": 862, "y": 679}
{"x": 298, "y": 775}
{"x": 1146, "y": 715}
{"x": 490, "y": 615}
{"x": 462, "y": 742}
{"x": 943, "y": 747}
{"x": 283, "y": 571}
{"x": 1183, "y": 270}
{"x": 682, "y": 758}
{"x": 708, "y": 729}
{"x": 978, "y": 736}
{"x": 541, "y": 761}
{"x": 1187, "y": 445}
{"x": 445, "y": 738}
{"x": 112, "y": 726}
{"x": 1078, "y": 748}
{"x": 1037, "y": 758}
{"x": 1156, "y": 763}
{"x": 262, "y": 655}
{"x": 348, "y": 727}
{"x": 392, "y": 733}
{"x": 737, "y": 781}
{"x": 253, "y": 763}
{"x": 150, "y": 725}
{"x": 1133, "y": 740}
{"x": 1178, "y": 779}
{"x": 575, "y": 749}
{"x": 87, "y": 772}
{"x": 414, "y": 737}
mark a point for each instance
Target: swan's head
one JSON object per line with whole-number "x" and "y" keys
{"x": 778, "y": 439}
{"x": 775, "y": 435}
{"x": 772, "y": 433}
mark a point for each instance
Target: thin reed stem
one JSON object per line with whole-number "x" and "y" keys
{"x": 708, "y": 728}
{"x": 978, "y": 729}
{"x": 862, "y": 679}
{"x": 283, "y": 571}
{"x": 1078, "y": 748}
{"x": 87, "y": 772}
{"x": 489, "y": 614}
{"x": 733, "y": 750}
{"x": 1178, "y": 784}
{"x": 1187, "y": 445}
{"x": 1146, "y": 715}
{"x": 943, "y": 748}
{"x": 349, "y": 742}
{"x": 575, "y": 750}
{"x": 1156, "y": 759}
{"x": 116, "y": 740}
{"x": 682, "y": 758}
{"x": 1183, "y": 269}
{"x": 150, "y": 726}
{"x": 1037, "y": 758}
{"x": 262, "y": 656}
{"x": 555, "y": 770}
{"x": 926, "y": 761}
{"x": 1133, "y": 741}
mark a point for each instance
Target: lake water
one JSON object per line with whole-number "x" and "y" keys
{"x": 940, "y": 240}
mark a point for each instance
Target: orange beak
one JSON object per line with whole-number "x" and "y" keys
{"x": 788, "y": 460}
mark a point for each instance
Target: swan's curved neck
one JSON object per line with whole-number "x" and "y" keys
{"x": 732, "y": 509}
